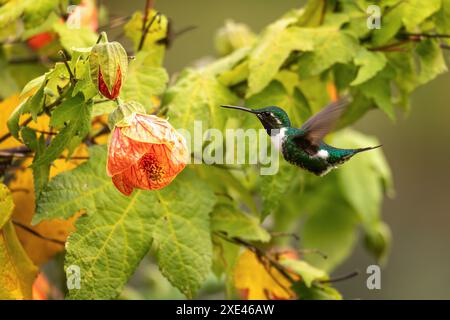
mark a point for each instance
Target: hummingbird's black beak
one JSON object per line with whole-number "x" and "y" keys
{"x": 240, "y": 108}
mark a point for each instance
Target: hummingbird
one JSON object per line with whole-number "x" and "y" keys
{"x": 304, "y": 147}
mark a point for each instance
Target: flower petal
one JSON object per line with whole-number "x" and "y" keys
{"x": 123, "y": 152}
{"x": 122, "y": 184}
{"x": 150, "y": 129}
{"x": 154, "y": 170}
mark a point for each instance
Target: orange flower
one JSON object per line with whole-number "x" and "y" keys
{"x": 145, "y": 152}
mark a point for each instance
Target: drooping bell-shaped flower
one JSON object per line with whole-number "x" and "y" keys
{"x": 145, "y": 152}
{"x": 108, "y": 63}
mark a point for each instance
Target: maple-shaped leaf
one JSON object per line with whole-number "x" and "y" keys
{"x": 117, "y": 231}
{"x": 277, "y": 42}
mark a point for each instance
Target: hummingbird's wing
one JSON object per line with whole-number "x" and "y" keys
{"x": 318, "y": 126}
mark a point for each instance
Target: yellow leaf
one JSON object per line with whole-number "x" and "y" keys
{"x": 22, "y": 186}
{"x": 17, "y": 270}
{"x": 41, "y": 250}
{"x": 257, "y": 280}
{"x": 7, "y": 106}
{"x": 6, "y": 205}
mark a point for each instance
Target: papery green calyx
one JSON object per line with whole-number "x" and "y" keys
{"x": 123, "y": 111}
{"x": 108, "y": 66}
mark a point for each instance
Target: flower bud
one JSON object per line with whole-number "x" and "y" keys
{"x": 109, "y": 64}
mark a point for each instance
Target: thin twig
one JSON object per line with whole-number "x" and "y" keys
{"x": 146, "y": 26}
{"x": 285, "y": 234}
{"x": 427, "y": 35}
{"x": 313, "y": 251}
{"x": 341, "y": 278}
{"x": 260, "y": 253}
{"x": 71, "y": 76}
{"x": 27, "y": 154}
{"x": 50, "y": 133}
{"x": 9, "y": 135}
{"x": 37, "y": 234}
{"x": 391, "y": 47}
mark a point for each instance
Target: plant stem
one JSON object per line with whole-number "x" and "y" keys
{"x": 146, "y": 27}
{"x": 71, "y": 75}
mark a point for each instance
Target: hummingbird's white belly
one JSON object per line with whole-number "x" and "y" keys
{"x": 278, "y": 137}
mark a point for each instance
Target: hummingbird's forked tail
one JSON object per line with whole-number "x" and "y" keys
{"x": 366, "y": 149}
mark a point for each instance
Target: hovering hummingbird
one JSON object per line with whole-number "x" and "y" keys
{"x": 304, "y": 147}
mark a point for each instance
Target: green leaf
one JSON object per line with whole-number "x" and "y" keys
{"x": 379, "y": 90}
{"x": 235, "y": 76}
{"x": 232, "y": 37}
{"x": 391, "y": 24}
{"x": 33, "y": 84}
{"x": 197, "y": 96}
{"x": 316, "y": 292}
{"x": 10, "y": 11}
{"x": 378, "y": 241}
{"x": 78, "y": 118}
{"x": 41, "y": 172}
{"x": 226, "y": 255}
{"x": 443, "y": 18}
{"x": 37, "y": 12}
{"x": 6, "y": 205}
{"x": 357, "y": 108}
{"x": 277, "y": 42}
{"x": 273, "y": 187}
{"x": 45, "y": 25}
{"x": 331, "y": 46}
{"x": 314, "y": 90}
{"x": 14, "y": 118}
{"x": 370, "y": 63}
{"x": 227, "y": 63}
{"x": 84, "y": 83}
{"x": 363, "y": 179}
{"x": 305, "y": 270}
{"x": 118, "y": 231}
{"x": 275, "y": 94}
{"x": 225, "y": 182}
{"x": 363, "y": 182}
{"x": 67, "y": 111}
{"x": 417, "y": 11}
{"x": 157, "y": 32}
{"x": 330, "y": 227}
{"x": 72, "y": 38}
{"x": 313, "y": 13}
{"x": 226, "y": 218}
{"x": 103, "y": 107}
{"x": 181, "y": 232}
{"x": 432, "y": 62}
{"x": 143, "y": 81}
{"x": 35, "y": 104}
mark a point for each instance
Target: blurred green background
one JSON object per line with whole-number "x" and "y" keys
{"x": 417, "y": 147}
